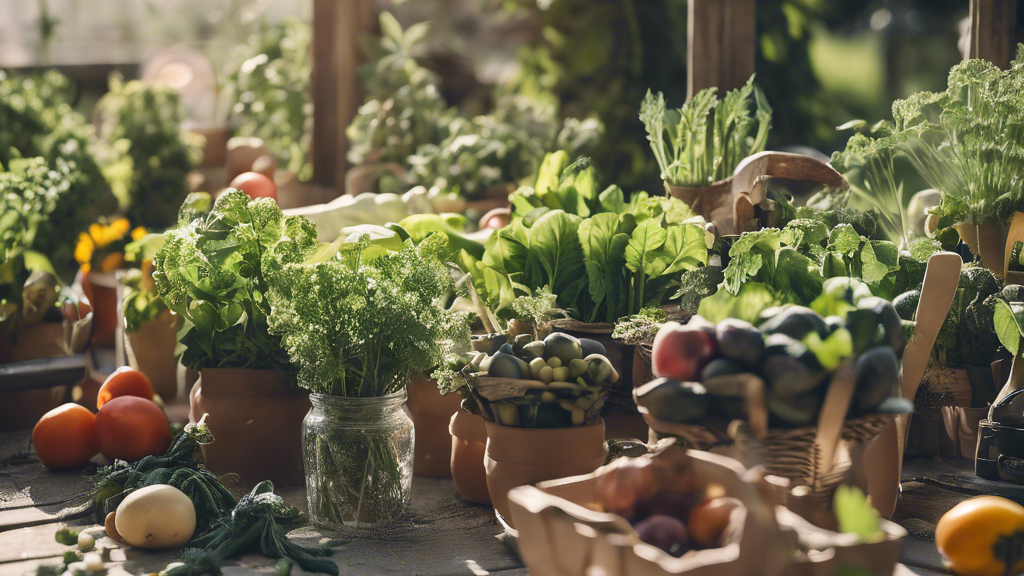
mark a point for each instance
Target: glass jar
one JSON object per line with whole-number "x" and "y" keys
{"x": 358, "y": 454}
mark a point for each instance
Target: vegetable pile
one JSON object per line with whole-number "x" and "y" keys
{"x": 557, "y": 382}
{"x": 794, "y": 352}
{"x": 669, "y": 506}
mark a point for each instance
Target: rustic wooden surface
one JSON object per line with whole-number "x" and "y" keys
{"x": 445, "y": 536}
{"x": 721, "y": 39}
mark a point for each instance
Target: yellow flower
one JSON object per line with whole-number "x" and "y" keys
{"x": 119, "y": 228}
{"x": 97, "y": 232}
{"x": 112, "y": 262}
{"x": 138, "y": 233}
{"x": 84, "y": 249}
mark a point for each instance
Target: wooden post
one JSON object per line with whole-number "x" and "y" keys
{"x": 337, "y": 27}
{"x": 722, "y": 36}
{"x": 993, "y": 24}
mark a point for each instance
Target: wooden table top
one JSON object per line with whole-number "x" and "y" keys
{"x": 447, "y": 536}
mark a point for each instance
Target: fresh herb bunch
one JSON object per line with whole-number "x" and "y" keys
{"x": 358, "y": 324}
{"x": 603, "y": 257}
{"x": 640, "y": 328}
{"x": 259, "y": 523}
{"x": 702, "y": 142}
{"x": 270, "y": 93}
{"x": 868, "y": 164}
{"x": 181, "y": 467}
{"x": 404, "y": 107}
{"x": 145, "y": 155}
{"x": 214, "y": 271}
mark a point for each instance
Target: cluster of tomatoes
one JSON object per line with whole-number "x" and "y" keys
{"x": 127, "y": 426}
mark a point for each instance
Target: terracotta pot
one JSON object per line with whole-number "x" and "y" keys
{"x": 256, "y": 420}
{"x": 21, "y": 410}
{"x": 431, "y": 414}
{"x": 101, "y": 290}
{"x": 713, "y": 203}
{"x": 469, "y": 442}
{"x": 520, "y": 456}
{"x": 151, "y": 351}
{"x": 987, "y": 243}
{"x": 643, "y": 371}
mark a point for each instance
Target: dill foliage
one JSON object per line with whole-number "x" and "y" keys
{"x": 360, "y": 322}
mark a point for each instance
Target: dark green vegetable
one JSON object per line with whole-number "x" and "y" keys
{"x": 591, "y": 346}
{"x": 66, "y": 536}
{"x": 181, "y": 467}
{"x": 906, "y": 304}
{"x": 195, "y": 562}
{"x": 673, "y": 401}
{"x": 740, "y": 341}
{"x": 795, "y": 322}
{"x": 563, "y": 346}
{"x": 258, "y": 524}
{"x": 877, "y": 373}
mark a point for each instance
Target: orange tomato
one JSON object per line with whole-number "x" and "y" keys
{"x": 125, "y": 381}
{"x": 710, "y": 519}
{"x": 130, "y": 428}
{"x": 65, "y": 437}
{"x": 254, "y": 184}
{"x": 967, "y": 534}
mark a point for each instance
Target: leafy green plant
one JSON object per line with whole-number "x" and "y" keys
{"x": 38, "y": 121}
{"x": 603, "y": 258}
{"x": 360, "y": 323}
{"x": 967, "y": 336}
{"x": 868, "y": 166}
{"x": 214, "y": 271}
{"x": 702, "y": 142}
{"x": 791, "y": 265}
{"x": 259, "y": 523}
{"x": 269, "y": 91}
{"x": 142, "y": 302}
{"x": 144, "y": 153}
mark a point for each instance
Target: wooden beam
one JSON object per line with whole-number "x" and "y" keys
{"x": 992, "y": 32}
{"x": 337, "y": 27}
{"x": 722, "y": 36}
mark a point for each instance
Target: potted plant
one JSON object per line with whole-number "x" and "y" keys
{"x": 213, "y": 271}
{"x": 700, "y": 145}
{"x": 357, "y": 325}
{"x": 602, "y": 257}
{"x": 541, "y": 401}
{"x": 99, "y": 254}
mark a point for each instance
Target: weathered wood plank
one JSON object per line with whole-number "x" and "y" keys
{"x": 337, "y": 94}
{"x": 993, "y": 24}
{"x": 721, "y": 37}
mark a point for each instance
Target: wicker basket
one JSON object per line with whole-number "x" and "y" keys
{"x": 815, "y": 459}
{"x": 620, "y": 397}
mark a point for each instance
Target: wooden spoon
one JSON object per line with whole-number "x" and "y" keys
{"x": 886, "y": 456}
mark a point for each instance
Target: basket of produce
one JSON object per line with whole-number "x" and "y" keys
{"x": 802, "y": 394}
{"x": 541, "y": 401}
{"x": 685, "y": 512}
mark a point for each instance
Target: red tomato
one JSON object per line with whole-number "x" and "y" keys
{"x": 65, "y": 437}
{"x": 254, "y": 184}
{"x": 680, "y": 352}
{"x": 130, "y": 428}
{"x": 125, "y": 381}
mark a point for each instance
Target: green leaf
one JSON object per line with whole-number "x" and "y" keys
{"x": 684, "y": 249}
{"x": 844, "y": 239}
{"x": 551, "y": 172}
{"x": 506, "y": 250}
{"x": 796, "y": 273}
{"x": 753, "y": 298}
{"x": 556, "y": 257}
{"x": 831, "y": 352}
{"x": 390, "y": 27}
{"x": 612, "y": 200}
{"x": 1008, "y": 319}
{"x": 643, "y": 242}
{"x": 856, "y": 515}
{"x": 604, "y": 250}
{"x": 752, "y": 257}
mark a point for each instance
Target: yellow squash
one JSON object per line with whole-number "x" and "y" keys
{"x": 974, "y": 536}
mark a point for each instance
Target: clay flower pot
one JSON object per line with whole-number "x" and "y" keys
{"x": 520, "y": 456}
{"x": 469, "y": 441}
{"x": 21, "y": 410}
{"x": 256, "y": 421}
{"x": 713, "y": 202}
{"x": 101, "y": 290}
{"x": 151, "y": 351}
{"x": 431, "y": 413}
{"x": 987, "y": 243}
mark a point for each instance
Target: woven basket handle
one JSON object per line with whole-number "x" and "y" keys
{"x": 832, "y": 417}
